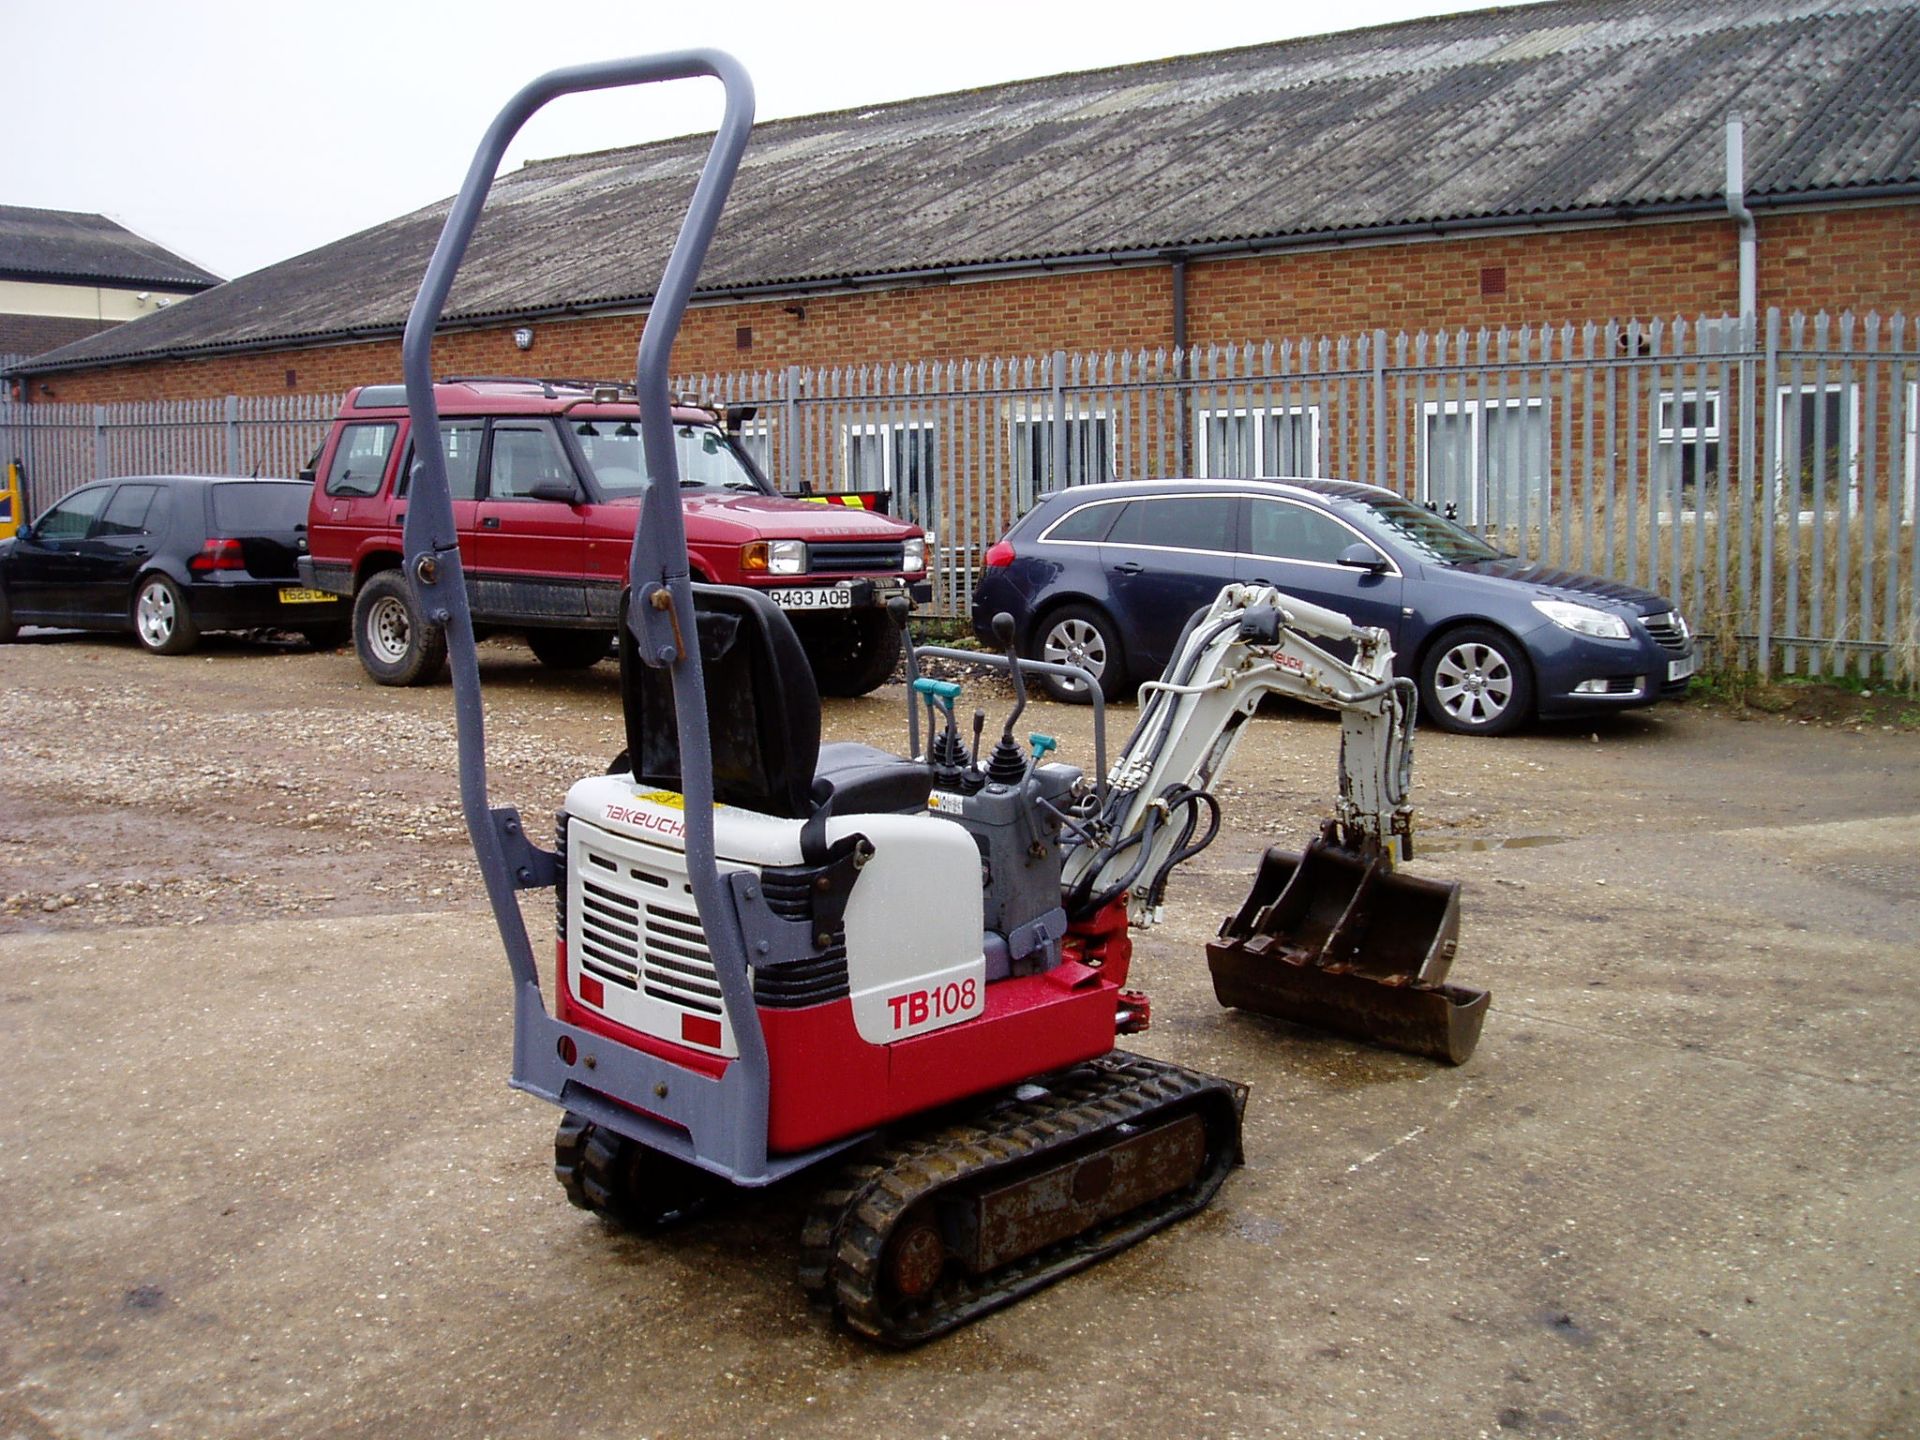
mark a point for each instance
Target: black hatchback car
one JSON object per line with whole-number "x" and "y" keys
{"x": 1105, "y": 576}
{"x": 168, "y": 556}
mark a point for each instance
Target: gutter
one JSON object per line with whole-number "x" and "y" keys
{"x": 977, "y": 270}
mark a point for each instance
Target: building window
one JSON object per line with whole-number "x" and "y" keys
{"x": 1271, "y": 443}
{"x": 1686, "y": 447}
{"x": 1816, "y": 448}
{"x": 1486, "y": 462}
{"x": 898, "y": 459}
{"x": 1089, "y": 453}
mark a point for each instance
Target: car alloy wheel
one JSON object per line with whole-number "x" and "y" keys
{"x": 161, "y": 621}
{"x": 1473, "y": 684}
{"x": 156, "y": 615}
{"x": 1074, "y": 641}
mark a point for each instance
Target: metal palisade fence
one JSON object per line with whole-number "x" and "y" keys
{"x": 61, "y": 446}
{"x": 1761, "y": 474}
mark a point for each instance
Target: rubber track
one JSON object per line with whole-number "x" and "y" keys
{"x": 851, "y": 1220}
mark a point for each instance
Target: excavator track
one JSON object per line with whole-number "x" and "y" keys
{"x": 927, "y": 1230}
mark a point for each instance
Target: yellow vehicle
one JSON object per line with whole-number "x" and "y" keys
{"x": 10, "y": 501}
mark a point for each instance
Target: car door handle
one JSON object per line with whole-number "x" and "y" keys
{"x": 1131, "y": 567}
{"x": 490, "y": 522}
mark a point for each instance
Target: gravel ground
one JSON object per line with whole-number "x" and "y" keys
{"x": 263, "y": 1177}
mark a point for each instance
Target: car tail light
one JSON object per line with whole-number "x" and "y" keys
{"x": 218, "y": 555}
{"x": 999, "y": 554}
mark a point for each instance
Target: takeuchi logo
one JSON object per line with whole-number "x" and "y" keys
{"x": 647, "y": 820}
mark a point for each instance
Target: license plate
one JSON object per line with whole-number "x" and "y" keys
{"x": 1680, "y": 669}
{"x": 813, "y": 597}
{"x": 298, "y": 595}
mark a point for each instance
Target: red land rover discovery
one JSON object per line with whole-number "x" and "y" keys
{"x": 546, "y": 478}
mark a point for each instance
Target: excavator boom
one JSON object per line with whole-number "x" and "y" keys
{"x": 1334, "y": 936}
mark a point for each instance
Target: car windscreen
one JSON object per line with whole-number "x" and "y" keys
{"x": 1433, "y": 535}
{"x": 706, "y": 458}
{"x": 244, "y": 509}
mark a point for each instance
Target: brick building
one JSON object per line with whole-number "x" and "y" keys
{"x": 1553, "y": 163}
{"x": 65, "y": 276}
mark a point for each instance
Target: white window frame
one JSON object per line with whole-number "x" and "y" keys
{"x": 1258, "y": 415}
{"x": 884, "y": 431}
{"x": 1476, "y": 410}
{"x": 1022, "y": 421}
{"x": 1670, "y": 434}
{"x": 1848, "y": 500}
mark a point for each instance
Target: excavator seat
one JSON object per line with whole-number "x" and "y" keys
{"x": 763, "y": 714}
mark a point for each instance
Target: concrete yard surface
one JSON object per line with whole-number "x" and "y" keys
{"x": 262, "y": 1176}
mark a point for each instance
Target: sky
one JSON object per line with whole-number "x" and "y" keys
{"x": 240, "y": 134}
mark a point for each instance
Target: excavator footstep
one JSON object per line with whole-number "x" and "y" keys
{"x": 1340, "y": 941}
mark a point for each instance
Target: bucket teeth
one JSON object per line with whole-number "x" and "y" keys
{"x": 1339, "y": 941}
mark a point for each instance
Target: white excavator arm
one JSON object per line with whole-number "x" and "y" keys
{"x": 1251, "y": 642}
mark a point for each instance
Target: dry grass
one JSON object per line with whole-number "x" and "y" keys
{"x": 1826, "y": 586}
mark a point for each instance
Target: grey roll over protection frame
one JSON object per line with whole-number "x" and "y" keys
{"x": 717, "y": 1123}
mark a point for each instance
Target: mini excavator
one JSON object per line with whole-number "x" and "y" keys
{"x": 906, "y": 973}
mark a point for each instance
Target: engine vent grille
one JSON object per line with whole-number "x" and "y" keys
{"x": 849, "y": 557}
{"x": 632, "y": 925}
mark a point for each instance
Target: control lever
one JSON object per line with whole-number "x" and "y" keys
{"x": 1008, "y": 766}
{"x": 946, "y": 752}
{"x": 973, "y": 779}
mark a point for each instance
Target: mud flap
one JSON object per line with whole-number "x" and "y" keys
{"x": 1340, "y": 941}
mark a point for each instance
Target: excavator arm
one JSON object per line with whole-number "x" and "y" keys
{"x": 1253, "y": 641}
{"x": 1331, "y": 936}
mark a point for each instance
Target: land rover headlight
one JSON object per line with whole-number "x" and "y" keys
{"x": 1583, "y": 619}
{"x": 775, "y": 557}
{"x": 913, "y": 555}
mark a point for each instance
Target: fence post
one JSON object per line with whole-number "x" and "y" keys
{"x": 1378, "y": 403}
{"x": 233, "y": 434}
{"x": 1057, "y": 384}
{"x": 1768, "y": 417}
{"x": 789, "y": 429}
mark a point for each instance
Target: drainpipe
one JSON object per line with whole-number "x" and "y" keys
{"x": 1181, "y": 440}
{"x": 1737, "y": 208}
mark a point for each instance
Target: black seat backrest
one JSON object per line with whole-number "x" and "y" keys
{"x": 763, "y": 708}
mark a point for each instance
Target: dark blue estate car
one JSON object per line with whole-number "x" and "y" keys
{"x": 1106, "y": 575}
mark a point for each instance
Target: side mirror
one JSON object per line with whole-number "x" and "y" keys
{"x": 1363, "y": 557}
{"x": 561, "y": 492}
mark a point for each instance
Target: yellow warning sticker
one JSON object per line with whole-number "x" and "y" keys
{"x": 666, "y": 798}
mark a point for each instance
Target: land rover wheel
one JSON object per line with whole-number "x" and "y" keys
{"x": 851, "y": 653}
{"x": 569, "y": 649}
{"x": 396, "y": 644}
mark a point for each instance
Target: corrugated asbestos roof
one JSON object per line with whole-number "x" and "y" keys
{"x": 1580, "y": 109}
{"x": 63, "y": 247}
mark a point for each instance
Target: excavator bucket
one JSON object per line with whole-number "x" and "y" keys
{"x": 1340, "y": 941}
